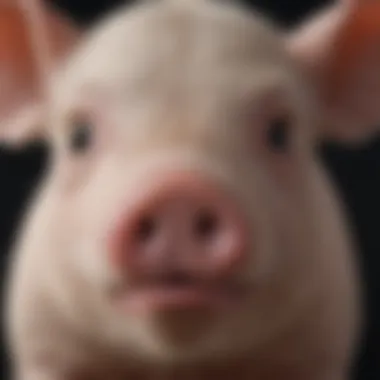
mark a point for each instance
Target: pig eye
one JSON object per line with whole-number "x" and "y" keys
{"x": 80, "y": 137}
{"x": 278, "y": 134}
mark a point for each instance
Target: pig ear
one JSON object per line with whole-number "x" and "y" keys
{"x": 36, "y": 41}
{"x": 340, "y": 51}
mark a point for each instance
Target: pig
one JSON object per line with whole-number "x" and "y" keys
{"x": 186, "y": 227}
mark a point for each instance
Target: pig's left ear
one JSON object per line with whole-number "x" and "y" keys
{"x": 340, "y": 51}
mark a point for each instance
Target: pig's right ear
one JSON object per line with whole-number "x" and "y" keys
{"x": 339, "y": 49}
{"x": 24, "y": 127}
{"x": 37, "y": 40}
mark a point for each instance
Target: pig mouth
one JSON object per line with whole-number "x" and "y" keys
{"x": 179, "y": 292}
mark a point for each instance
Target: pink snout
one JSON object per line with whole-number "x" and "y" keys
{"x": 184, "y": 224}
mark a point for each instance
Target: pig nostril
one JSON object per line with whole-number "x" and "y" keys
{"x": 146, "y": 228}
{"x": 206, "y": 224}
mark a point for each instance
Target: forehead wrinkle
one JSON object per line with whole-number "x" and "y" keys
{"x": 191, "y": 115}
{"x": 187, "y": 113}
{"x": 223, "y": 81}
{"x": 167, "y": 52}
{"x": 164, "y": 36}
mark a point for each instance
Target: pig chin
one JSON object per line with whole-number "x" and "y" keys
{"x": 182, "y": 337}
{"x": 175, "y": 329}
{"x": 176, "y": 333}
{"x": 171, "y": 337}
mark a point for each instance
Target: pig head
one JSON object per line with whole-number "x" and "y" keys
{"x": 185, "y": 219}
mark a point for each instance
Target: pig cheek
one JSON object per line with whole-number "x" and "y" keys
{"x": 89, "y": 252}
{"x": 281, "y": 239}
{"x": 93, "y": 210}
{"x": 262, "y": 260}
{"x": 264, "y": 185}
{"x": 78, "y": 231}
{"x": 279, "y": 176}
{"x": 72, "y": 173}
{"x": 83, "y": 210}
{"x": 279, "y": 184}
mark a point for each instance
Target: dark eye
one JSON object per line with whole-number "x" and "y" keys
{"x": 278, "y": 134}
{"x": 81, "y": 135}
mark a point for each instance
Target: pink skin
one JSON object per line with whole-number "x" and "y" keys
{"x": 185, "y": 227}
{"x": 95, "y": 293}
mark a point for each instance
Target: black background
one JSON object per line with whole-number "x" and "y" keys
{"x": 356, "y": 173}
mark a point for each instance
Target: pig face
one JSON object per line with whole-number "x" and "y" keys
{"x": 181, "y": 209}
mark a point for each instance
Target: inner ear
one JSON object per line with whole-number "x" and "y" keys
{"x": 344, "y": 43}
{"x": 23, "y": 55}
{"x": 64, "y": 34}
{"x": 310, "y": 43}
{"x": 351, "y": 90}
{"x": 354, "y": 47}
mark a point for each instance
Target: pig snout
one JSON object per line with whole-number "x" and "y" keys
{"x": 184, "y": 231}
{"x": 183, "y": 222}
